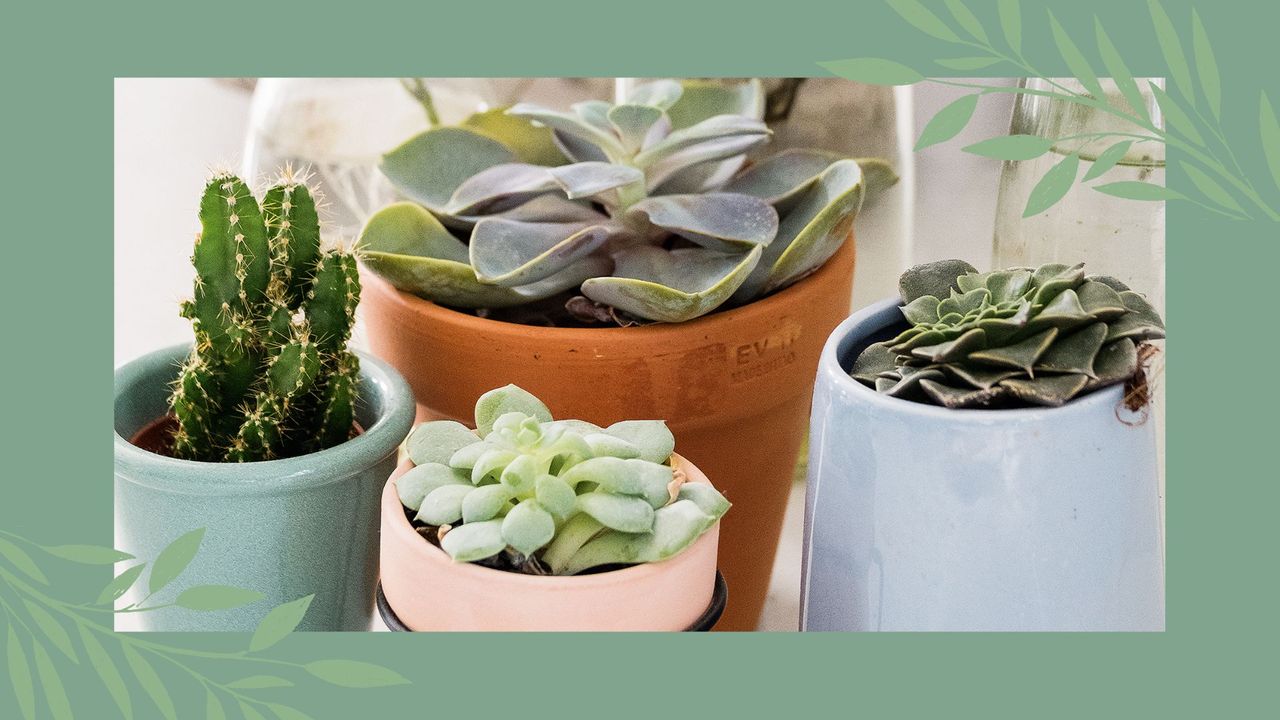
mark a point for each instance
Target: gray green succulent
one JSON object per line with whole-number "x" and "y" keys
{"x": 523, "y": 491}
{"x": 1017, "y": 336}
{"x": 648, "y": 207}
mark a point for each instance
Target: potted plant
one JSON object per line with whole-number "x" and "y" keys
{"x": 625, "y": 261}
{"x": 981, "y": 458}
{"x": 268, "y": 432}
{"x": 531, "y": 523}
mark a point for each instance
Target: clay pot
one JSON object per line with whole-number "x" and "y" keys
{"x": 428, "y": 591}
{"x": 735, "y": 387}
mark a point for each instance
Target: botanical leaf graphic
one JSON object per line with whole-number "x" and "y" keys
{"x": 88, "y": 554}
{"x": 967, "y": 20}
{"x": 354, "y": 674}
{"x": 1107, "y": 159}
{"x": 257, "y": 682}
{"x": 52, "y": 630}
{"x": 279, "y": 623}
{"x": 150, "y": 682}
{"x": 1171, "y": 46}
{"x": 213, "y": 707}
{"x": 216, "y": 597}
{"x": 1011, "y": 23}
{"x": 249, "y": 712}
{"x": 174, "y": 559}
{"x": 1134, "y": 190}
{"x": 106, "y": 669}
{"x": 1174, "y": 116}
{"x": 120, "y": 584}
{"x": 924, "y": 20}
{"x": 1206, "y": 65}
{"x": 948, "y": 122}
{"x": 1270, "y": 131}
{"x": 1120, "y": 72}
{"x": 1075, "y": 59}
{"x": 1211, "y": 188}
{"x": 21, "y": 560}
{"x": 1053, "y": 186}
{"x": 284, "y": 712}
{"x": 55, "y": 694}
{"x": 967, "y": 63}
{"x": 874, "y": 71}
{"x": 1011, "y": 147}
{"x": 20, "y": 675}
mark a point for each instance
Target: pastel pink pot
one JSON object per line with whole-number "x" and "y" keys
{"x": 430, "y": 592}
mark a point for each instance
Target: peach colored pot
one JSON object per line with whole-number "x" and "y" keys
{"x": 735, "y": 387}
{"x": 429, "y": 591}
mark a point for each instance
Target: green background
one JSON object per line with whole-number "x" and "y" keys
{"x": 1222, "y": 478}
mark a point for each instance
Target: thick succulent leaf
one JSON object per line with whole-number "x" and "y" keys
{"x": 443, "y": 506}
{"x": 878, "y": 175}
{"x": 877, "y": 358}
{"x": 700, "y": 178}
{"x": 485, "y": 503}
{"x": 675, "y": 527}
{"x": 780, "y": 179}
{"x": 910, "y": 378}
{"x": 707, "y": 498}
{"x": 1063, "y": 311}
{"x": 406, "y": 228}
{"x": 671, "y": 286}
{"x": 499, "y": 188}
{"x": 506, "y": 399}
{"x": 1004, "y": 285}
{"x": 594, "y": 113}
{"x": 952, "y": 397}
{"x": 662, "y": 174}
{"x": 573, "y": 125}
{"x": 1142, "y": 322}
{"x": 581, "y": 427}
{"x": 1022, "y": 355}
{"x": 633, "y": 123}
{"x": 811, "y": 232}
{"x": 620, "y": 512}
{"x": 963, "y": 303}
{"x": 603, "y": 445}
{"x": 934, "y": 278}
{"x": 474, "y": 541}
{"x": 490, "y": 465}
{"x": 639, "y": 478}
{"x": 1116, "y": 362}
{"x": 528, "y": 527}
{"x": 652, "y": 437}
{"x": 1074, "y": 353}
{"x": 531, "y": 144}
{"x": 661, "y": 94}
{"x": 512, "y": 253}
{"x": 921, "y": 311}
{"x": 1100, "y": 300}
{"x": 970, "y": 341}
{"x": 546, "y": 208}
{"x": 556, "y": 496}
{"x": 420, "y": 481}
{"x": 1052, "y": 280}
{"x": 727, "y": 222}
{"x": 712, "y": 129}
{"x": 702, "y": 99}
{"x": 429, "y": 167}
{"x": 437, "y": 441}
{"x": 587, "y": 179}
{"x": 577, "y": 149}
{"x": 1051, "y": 390}
{"x": 521, "y": 474}
{"x": 467, "y": 457}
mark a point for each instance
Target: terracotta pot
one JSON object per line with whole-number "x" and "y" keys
{"x": 735, "y": 387}
{"x": 428, "y": 591}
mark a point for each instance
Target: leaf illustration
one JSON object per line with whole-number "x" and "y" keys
{"x": 213, "y": 707}
{"x": 52, "y": 630}
{"x": 1011, "y": 147}
{"x": 216, "y": 597}
{"x": 1107, "y": 159}
{"x": 1011, "y": 23}
{"x": 1175, "y": 117}
{"x": 948, "y": 122}
{"x": 1171, "y": 46}
{"x": 21, "y": 560}
{"x": 967, "y": 20}
{"x": 120, "y": 584}
{"x": 284, "y": 712}
{"x": 150, "y": 682}
{"x": 55, "y": 694}
{"x": 1075, "y": 59}
{"x": 1120, "y": 72}
{"x": 257, "y": 682}
{"x": 1206, "y": 65}
{"x": 279, "y": 623}
{"x": 20, "y": 675}
{"x": 968, "y": 63}
{"x": 874, "y": 71}
{"x": 249, "y": 712}
{"x": 1053, "y": 186}
{"x": 923, "y": 19}
{"x": 1270, "y": 131}
{"x": 107, "y": 672}
{"x": 1134, "y": 190}
{"x": 88, "y": 554}
{"x": 1210, "y": 188}
{"x": 174, "y": 559}
{"x": 354, "y": 674}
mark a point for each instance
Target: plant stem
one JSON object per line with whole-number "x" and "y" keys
{"x": 418, "y": 89}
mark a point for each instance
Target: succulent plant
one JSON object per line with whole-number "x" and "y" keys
{"x": 1018, "y": 336}
{"x": 270, "y": 375}
{"x": 646, "y": 207}
{"x": 523, "y": 491}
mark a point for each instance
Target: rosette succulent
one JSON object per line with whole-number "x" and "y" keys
{"x": 1040, "y": 336}
{"x": 528, "y": 493}
{"x": 647, "y": 207}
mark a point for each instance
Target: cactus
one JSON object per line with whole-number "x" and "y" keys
{"x": 648, "y": 210}
{"x": 1020, "y": 336}
{"x": 270, "y": 375}
{"x": 528, "y": 493}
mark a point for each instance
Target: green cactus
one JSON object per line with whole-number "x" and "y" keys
{"x": 1020, "y": 336}
{"x": 270, "y": 375}
{"x": 528, "y": 493}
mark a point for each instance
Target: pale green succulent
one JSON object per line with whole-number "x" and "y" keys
{"x": 644, "y": 207}
{"x": 1039, "y": 336}
{"x": 544, "y": 496}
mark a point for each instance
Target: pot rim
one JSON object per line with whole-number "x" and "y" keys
{"x": 794, "y": 293}
{"x": 405, "y": 532}
{"x": 395, "y": 412}
{"x": 871, "y": 319}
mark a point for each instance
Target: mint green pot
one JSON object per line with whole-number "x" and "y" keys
{"x": 286, "y": 528}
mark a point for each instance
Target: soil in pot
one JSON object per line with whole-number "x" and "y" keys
{"x": 157, "y": 435}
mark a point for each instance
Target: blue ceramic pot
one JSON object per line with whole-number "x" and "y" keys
{"x": 920, "y": 517}
{"x": 286, "y": 528}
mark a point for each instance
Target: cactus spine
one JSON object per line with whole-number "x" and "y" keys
{"x": 270, "y": 375}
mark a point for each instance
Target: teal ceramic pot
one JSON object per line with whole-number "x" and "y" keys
{"x": 286, "y": 528}
{"x": 919, "y": 517}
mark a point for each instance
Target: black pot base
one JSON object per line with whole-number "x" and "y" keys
{"x": 708, "y": 620}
